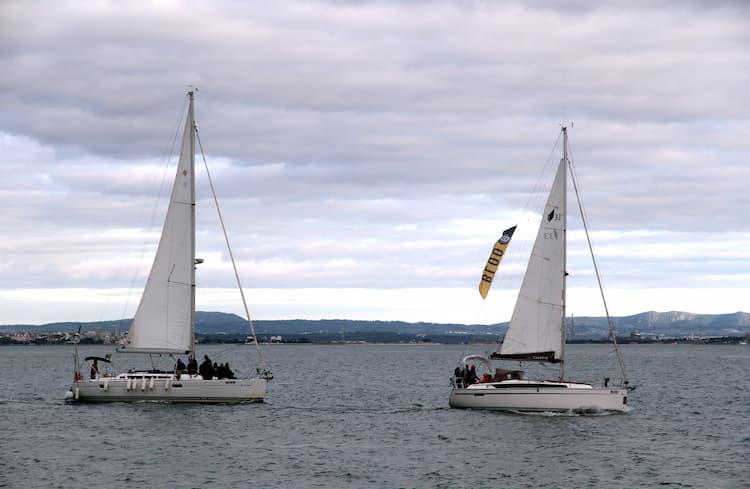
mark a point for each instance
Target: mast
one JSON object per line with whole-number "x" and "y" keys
{"x": 565, "y": 251}
{"x": 191, "y": 119}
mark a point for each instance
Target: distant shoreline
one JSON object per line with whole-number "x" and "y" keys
{"x": 725, "y": 340}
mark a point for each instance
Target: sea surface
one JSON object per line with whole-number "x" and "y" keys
{"x": 377, "y": 416}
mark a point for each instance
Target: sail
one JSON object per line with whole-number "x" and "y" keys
{"x": 535, "y": 330}
{"x": 164, "y": 320}
{"x": 497, "y": 254}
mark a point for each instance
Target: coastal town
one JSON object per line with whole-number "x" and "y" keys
{"x": 108, "y": 337}
{"x": 59, "y": 338}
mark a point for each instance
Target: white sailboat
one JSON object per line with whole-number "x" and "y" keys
{"x": 537, "y": 329}
{"x": 164, "y": 323}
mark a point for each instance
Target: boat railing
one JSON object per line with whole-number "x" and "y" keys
{"x": 148, "y": 375}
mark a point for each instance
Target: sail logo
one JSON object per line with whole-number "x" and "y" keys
{"x": 553, "y": 234}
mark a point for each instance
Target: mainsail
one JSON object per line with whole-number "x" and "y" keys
{"x": 535, "y": 330}
{"x": 498, "y": 251}
{"x": 164, "y": 321}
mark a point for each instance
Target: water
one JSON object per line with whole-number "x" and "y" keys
{"x": 377, "y": 416}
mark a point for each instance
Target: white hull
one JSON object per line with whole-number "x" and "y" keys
{"x": 165, "y": 388}
{"x": 542, "y": 396}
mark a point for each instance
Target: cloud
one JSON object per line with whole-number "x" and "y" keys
{"x": 374, "y": 145}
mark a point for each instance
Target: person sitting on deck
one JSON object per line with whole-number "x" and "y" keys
{"x": 94, "y": 369}
{"x": 458, "y": 377}
{"x": 179, "y": 368}
{"x": 228, "y": 371}
{"x": 222, "y": 371}
{"x": 192, "y": 366}
{"x": 473, "y": 375}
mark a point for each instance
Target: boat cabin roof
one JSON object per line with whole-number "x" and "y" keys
{"x": 504, "y": 374}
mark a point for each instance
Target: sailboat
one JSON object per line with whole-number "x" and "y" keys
{"x": 164, "y": 323}
{"x": 536, "y": 332}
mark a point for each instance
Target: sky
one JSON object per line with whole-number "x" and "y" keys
{"x": 368, "y": 154}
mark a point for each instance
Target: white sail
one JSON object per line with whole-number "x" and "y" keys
{"x": 536, "y": 325}
{"x": 164, "y": 321}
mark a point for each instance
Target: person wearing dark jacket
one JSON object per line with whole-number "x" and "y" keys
{"x": 94, "y": 369}
{"x": 473, "y": 375}
{"x": 179, "y": 368}
{"x": 192, "y": 366}
{"x": 206, "y": 369}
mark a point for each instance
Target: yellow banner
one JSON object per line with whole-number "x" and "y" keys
{"x": 497, "y": 254}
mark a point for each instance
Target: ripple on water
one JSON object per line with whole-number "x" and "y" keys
{"x": 347, "y": 423}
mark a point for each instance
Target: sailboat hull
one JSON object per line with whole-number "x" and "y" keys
{"x": 543, "y": 396}
{"x": 168, "y": 389}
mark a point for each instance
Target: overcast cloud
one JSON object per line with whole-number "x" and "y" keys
{"x": 367, "y": 154}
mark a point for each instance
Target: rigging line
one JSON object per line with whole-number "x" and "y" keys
{"x": 535, "y": 201}
{"x": 537, "y": 198}
{"x": 584, "y": 219}
{"x": 228, "y": 348}
{"x": 229, "y": 248}
{"x": 547, "y": 169}
{"x": 476, "y": 322}
{"x": 479, "y": 313}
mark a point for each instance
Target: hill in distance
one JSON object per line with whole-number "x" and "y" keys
{"x": 217, "y": 324}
